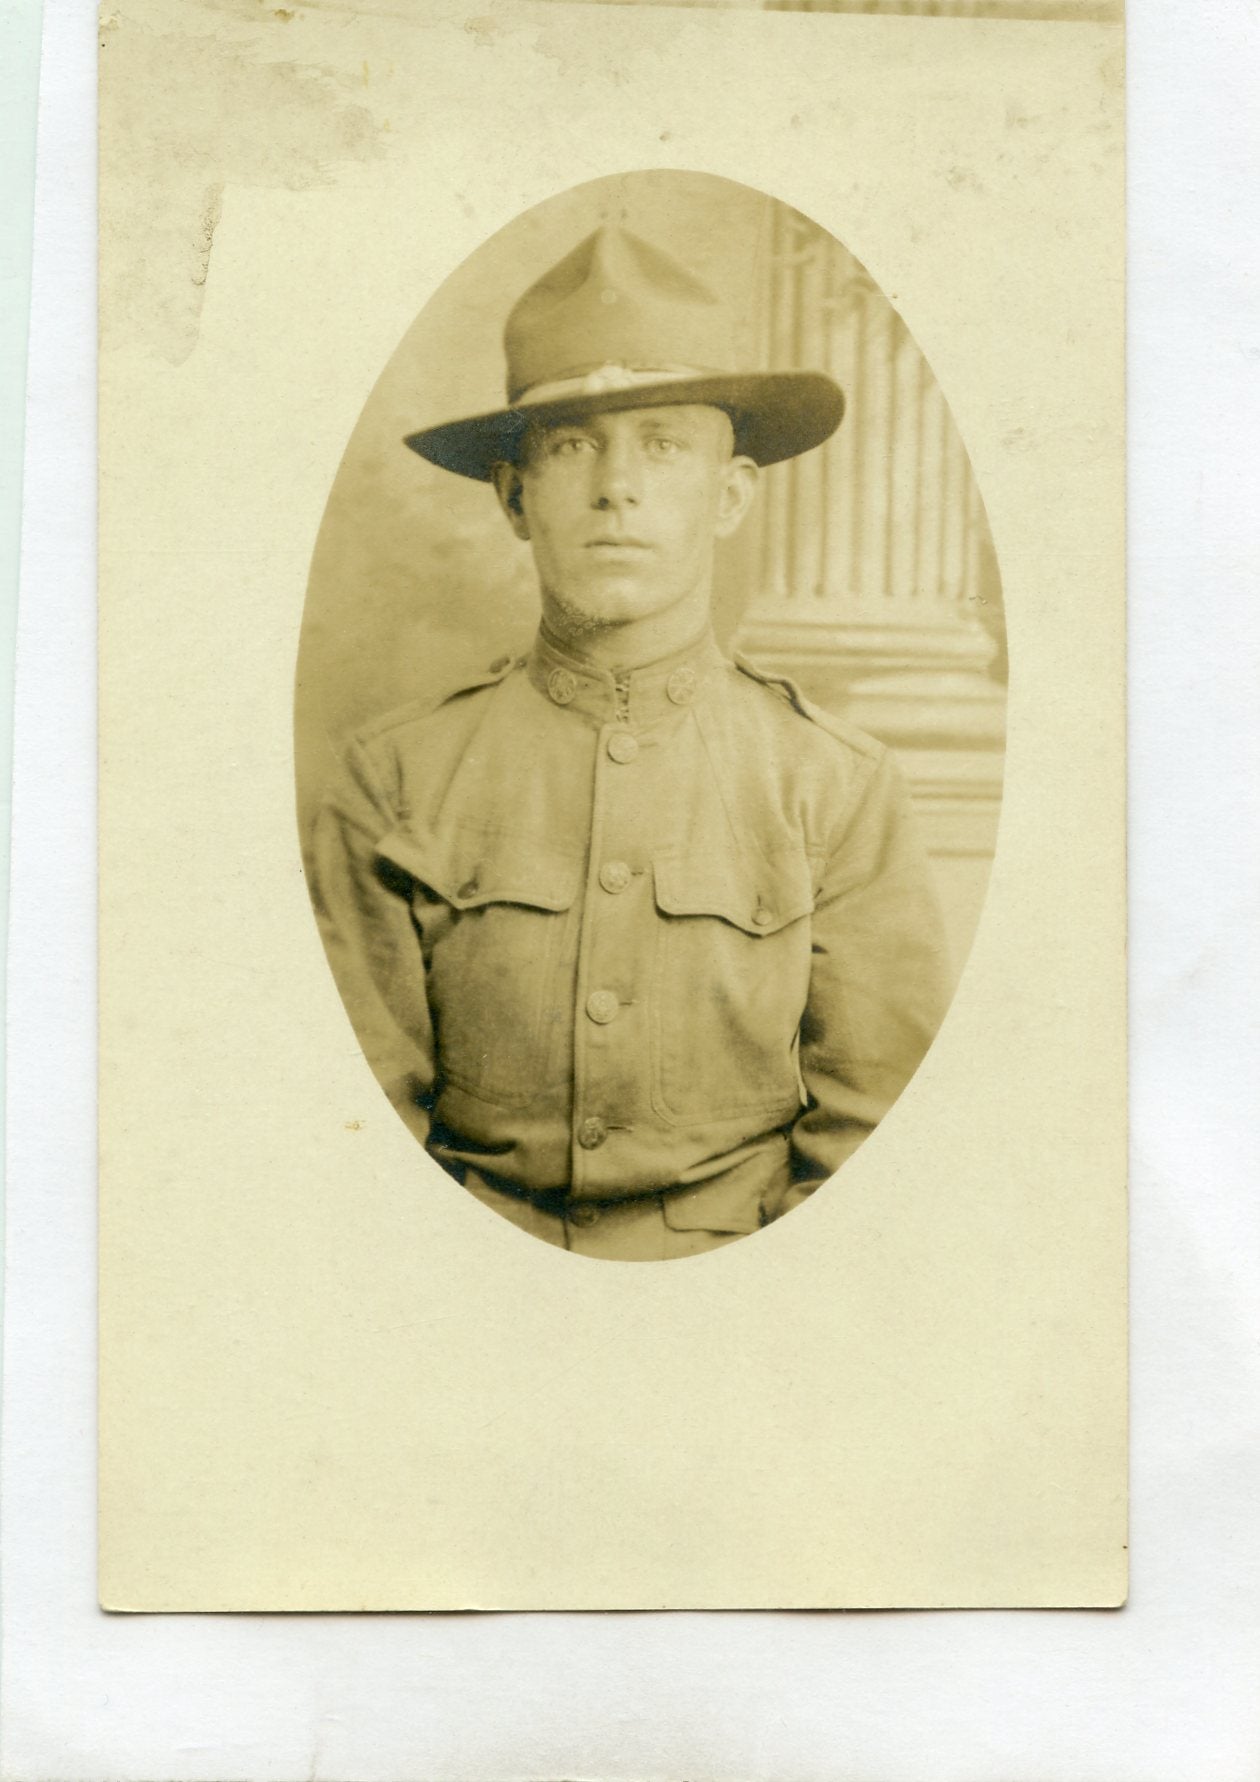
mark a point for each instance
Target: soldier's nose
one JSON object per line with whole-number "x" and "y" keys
{"x": 615, "y": 483}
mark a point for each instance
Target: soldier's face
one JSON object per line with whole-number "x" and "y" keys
{"x": 622, "y": 510}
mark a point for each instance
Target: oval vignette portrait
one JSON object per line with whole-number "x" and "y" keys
{"x": 650, "y": 716}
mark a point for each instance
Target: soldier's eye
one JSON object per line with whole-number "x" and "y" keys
{"x": 570, "y": 445}
{"x": 662, "y": 446}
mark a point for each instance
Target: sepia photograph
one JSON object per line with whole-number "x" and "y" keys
{"x": 587, "y": 618}
{"x": 650, "y": 725}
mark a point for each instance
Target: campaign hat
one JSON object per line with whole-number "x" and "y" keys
{"x": 621, "y": 324}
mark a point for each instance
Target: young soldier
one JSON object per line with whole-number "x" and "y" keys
{"x": 641, "y": 943}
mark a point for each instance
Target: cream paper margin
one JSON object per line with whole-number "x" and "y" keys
{"x": 329, "y": 1378}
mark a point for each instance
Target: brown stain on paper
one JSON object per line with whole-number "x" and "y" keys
{"x": 184, "y": 119}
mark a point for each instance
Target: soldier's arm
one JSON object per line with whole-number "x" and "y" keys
{"x": 364, "y": 912}
{"x": 878, "y": 981}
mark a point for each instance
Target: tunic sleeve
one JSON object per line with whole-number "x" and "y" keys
{"x": 363, "y": 907}
{"x": 878, "y": 979}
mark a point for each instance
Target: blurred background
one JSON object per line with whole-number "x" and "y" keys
{"x": 866, "y": 570}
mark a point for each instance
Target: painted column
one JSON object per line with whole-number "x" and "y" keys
{"x": 875, "y": 586}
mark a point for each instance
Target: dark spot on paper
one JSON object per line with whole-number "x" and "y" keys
{"x": 211, "y": 212}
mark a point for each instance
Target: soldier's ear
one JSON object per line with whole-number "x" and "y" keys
{"x": 735, "y": 495}
{"x": 509, "y": 488}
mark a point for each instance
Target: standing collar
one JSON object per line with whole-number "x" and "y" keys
{"x": 639, "y": 696}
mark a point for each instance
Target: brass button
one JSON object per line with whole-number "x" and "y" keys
{"x": 681, "y": 686}
{"x": 602, "y": 1006}
{"x": 581, "y": 1213}
{"x": 562, "y": 685}
{"x": 614, "y": 875}
{"x": 592, "y": 1133}
{"x": 469, "y": 889}
{"x": 762, "y": 916}
{"x": 622, "y": 746}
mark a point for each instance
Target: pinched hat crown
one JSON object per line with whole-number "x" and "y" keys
{"x": 615, "y": 301}
{"x": 618, "y": 323}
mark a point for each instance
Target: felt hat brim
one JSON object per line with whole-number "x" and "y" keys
{"x": 775, "y": 414}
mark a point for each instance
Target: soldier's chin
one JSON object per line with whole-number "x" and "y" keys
{"x": 609, "y": 603}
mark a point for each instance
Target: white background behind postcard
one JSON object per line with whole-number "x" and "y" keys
{"x": 1163, "y": 1689}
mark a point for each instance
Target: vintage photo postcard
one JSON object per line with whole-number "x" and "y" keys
{"x": 612, "y": 942}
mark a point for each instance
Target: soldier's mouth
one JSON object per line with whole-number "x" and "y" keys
{"x": 617, "y": 544}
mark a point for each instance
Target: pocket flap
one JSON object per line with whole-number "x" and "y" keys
{"x": 759, "y": 893}
{"x": 469, "y": 867}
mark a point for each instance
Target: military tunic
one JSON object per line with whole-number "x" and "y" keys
{"x": 616, "y": 941}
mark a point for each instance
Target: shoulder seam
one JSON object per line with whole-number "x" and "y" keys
{"x": 786, "y": 690}
{"x": 377, "y": 728}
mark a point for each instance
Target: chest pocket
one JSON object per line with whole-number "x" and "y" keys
{"x": 731, "y": 982}
{"x": 495, "y": 917}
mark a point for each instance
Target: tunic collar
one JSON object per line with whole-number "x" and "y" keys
{"x": 637, "y": 696}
